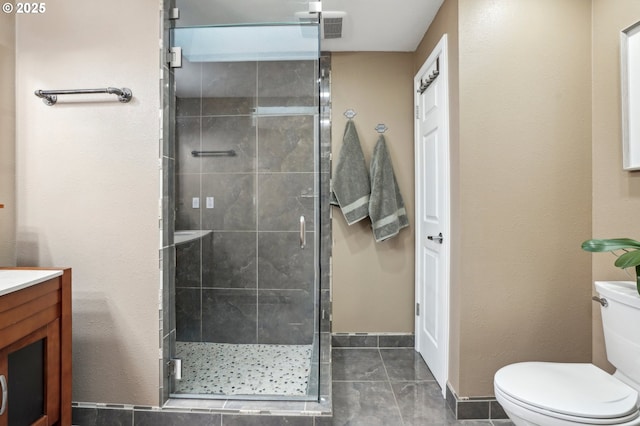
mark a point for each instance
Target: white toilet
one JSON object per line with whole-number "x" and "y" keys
{"x": 557, "y": 394}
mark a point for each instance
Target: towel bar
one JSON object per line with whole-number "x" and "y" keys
{"x": 50, "y": 97}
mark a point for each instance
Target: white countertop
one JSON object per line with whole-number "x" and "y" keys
{"x": 16, "y": 279}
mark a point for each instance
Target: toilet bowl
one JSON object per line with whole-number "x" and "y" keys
{"x": 570, "y": 394}
{"x": 556, "y": 394}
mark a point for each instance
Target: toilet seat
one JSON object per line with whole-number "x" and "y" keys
{"x": 580, "y": 393}
{"x": 539, "y": 416}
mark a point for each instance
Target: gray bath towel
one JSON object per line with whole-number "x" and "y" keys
{"x": 351, "y": 187}
{"x": 386, "y": 208}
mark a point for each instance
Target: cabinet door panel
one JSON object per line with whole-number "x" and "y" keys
{"x": 4, "y": 397}
{"x": 26, "y": 384}
{"x": 35, "y": 353}
{"x": 31, "y": 367}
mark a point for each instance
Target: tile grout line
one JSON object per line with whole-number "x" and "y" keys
{"x": 395, "y": 399}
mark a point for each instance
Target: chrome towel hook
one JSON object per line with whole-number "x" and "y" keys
{"x": 350, "y": 113}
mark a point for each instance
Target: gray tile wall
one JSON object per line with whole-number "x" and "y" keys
{"x": 191, "y": 273}
{"x": 260, "y": 289}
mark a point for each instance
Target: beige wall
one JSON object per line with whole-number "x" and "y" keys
{"x": 525, "y": 185}
{"x": 521, "y": 191}
{"x": 7, "y": 140}
{"x": 373, "y": 283}
{"x": 88, "y": 184}
{"x": 616, "y": 193}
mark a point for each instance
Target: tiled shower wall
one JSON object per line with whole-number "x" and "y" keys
{"x": 260, "y": 288}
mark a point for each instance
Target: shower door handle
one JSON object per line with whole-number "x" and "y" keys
{"x": 303, "y": 236}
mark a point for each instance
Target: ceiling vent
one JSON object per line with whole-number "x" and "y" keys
{"x": 331, "y": 22}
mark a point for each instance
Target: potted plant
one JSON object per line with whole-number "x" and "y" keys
{"x": 630, "y": 257}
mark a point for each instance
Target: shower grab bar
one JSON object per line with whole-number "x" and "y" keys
{"x": 229, "y": 153}
{"x": 50, "y": 97}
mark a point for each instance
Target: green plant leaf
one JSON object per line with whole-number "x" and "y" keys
{"x": 631, "y": 257}
{"x": 610, "y": 245}
{"x": 628, "y": 259}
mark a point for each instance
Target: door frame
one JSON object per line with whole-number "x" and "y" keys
{"x": 440, "y": 52}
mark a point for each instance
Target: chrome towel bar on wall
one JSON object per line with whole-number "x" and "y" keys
{"x": 50, "y": 97}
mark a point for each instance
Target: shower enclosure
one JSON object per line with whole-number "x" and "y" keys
{"x": 248, "y": 297}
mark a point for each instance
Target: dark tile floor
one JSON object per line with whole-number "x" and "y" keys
{"x": 390, "y": 387}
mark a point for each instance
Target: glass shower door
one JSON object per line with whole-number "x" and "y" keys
{"x": 247, "y": 183}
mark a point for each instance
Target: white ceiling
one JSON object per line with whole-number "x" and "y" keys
{"x": 381, "y": 25}
{"x": 369, "y": 25}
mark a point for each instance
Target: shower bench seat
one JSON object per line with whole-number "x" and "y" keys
{"x": 35, "y": 346}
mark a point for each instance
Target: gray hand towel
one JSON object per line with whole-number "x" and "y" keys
{"x": 351, "y": 187}
{"x": 386, "y": 207}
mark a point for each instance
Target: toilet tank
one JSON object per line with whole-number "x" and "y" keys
{"x": 621, "y": 323}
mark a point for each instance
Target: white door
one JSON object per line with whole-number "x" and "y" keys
{"x": 432, "y": 213}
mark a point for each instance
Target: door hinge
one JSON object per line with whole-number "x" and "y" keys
{"x": 175, "y": 368}
{"x": 174, "y": 13}
{"x": 417, "y": 309}
{"x": 175, "y": 57}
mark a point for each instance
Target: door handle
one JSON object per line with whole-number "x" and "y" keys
{"x": 3, "y": 384}
{"x": 436, "y": 238}
{"x": 303, "y": 236}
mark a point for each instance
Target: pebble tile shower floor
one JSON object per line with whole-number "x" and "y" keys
{"x": 243, "y": 369}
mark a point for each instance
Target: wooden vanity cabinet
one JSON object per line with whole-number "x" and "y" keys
{"x": 35, "y": 354}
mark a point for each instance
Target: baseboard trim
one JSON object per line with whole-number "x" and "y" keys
{"x": 477, "y": 408}
{"x": 372, "y": 340}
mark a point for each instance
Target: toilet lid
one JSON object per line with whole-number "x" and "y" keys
{"x": 581, "y": 390}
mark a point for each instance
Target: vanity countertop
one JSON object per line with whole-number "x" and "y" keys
{"x": 16, "y": 279}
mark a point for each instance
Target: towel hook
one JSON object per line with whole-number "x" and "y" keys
{"x": 381, "y": 128}
{"x": 350, "y": 113}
